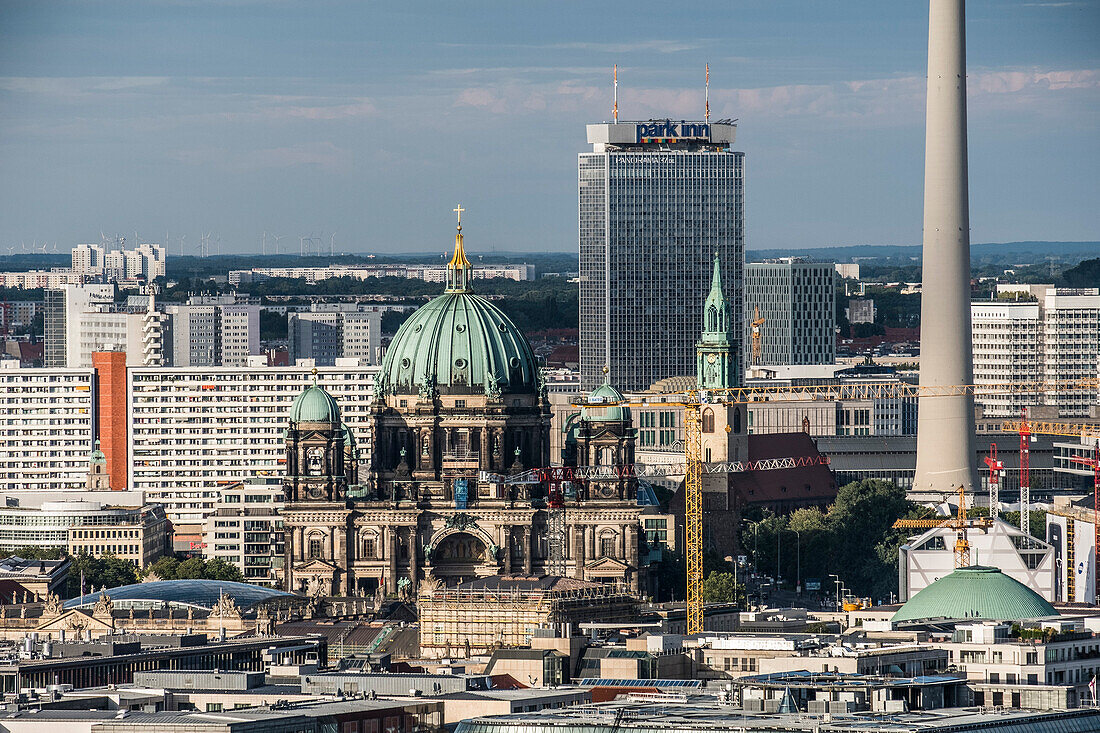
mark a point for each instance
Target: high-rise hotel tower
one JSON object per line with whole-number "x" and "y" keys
{"x": 658, "y": 200}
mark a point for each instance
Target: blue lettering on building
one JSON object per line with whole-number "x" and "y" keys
{"x": 671, "y": 130}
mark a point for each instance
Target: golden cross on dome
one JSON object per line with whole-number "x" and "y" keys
{"x": 458, "y": 210}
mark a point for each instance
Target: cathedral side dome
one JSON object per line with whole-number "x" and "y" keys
{"x": 605, "y": 394}
{"x": 459, "y": 343}
{"x": 315, "y": 405}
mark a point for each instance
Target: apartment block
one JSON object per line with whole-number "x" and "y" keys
{"x": 47, "y": 427}
{"x": 335, "y": 331}
{"x": 1056, "y": 337}
{"x": 245, "y": 529}
{"x": 195, "y": 431}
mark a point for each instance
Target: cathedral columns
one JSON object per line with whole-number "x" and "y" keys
{"x": 632, "y": 557}
{"x": 391, "y": 550}
{"x": 506, "y": 544}
{"x": 579, "y": 545}
{"x": 590, "y": 540}
{"x": 413, "y": 564}
{"x": 527, "y": 550}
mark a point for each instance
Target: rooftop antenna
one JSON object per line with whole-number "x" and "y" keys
{"x": 706, "y": 97}
{"x": 615, "y": 78}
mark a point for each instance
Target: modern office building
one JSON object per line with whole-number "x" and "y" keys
{"x": 1054, "y": 338}
{"x": 65, "y": 307}
{"x": 796, "y": 299}
{"x": 136, "y": 534}
{"x": 195, "y": 431}
{"x": 246, "y": 529}
{"x": 658, "y": 200}
{"x": 332, "y": 331}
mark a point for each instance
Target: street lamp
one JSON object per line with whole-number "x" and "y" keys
{"x": 836, "y": 579}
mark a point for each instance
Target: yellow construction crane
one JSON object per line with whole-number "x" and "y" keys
{"x": 960, "y": 523}
{"x": 757, "y": 335}
{"x": 691, "y": 401}
{"x": 1069, "y": 429}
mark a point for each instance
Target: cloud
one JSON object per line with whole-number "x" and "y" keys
{"x": 69, "y": 87}
{"x": 323, "y": 155}
{"x": 644, "y": 46}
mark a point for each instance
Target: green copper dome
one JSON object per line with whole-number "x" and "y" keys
{"x": 975, "y": 592}
{"x": 459, "y": 343}
{"x": 606, "y": 394}
{"x": 315, "y": 405}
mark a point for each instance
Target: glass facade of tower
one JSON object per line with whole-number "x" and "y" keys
{"x": 652, "y": 216}
{"x": 797, "y": 300}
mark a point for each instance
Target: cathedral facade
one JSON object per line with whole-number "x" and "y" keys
{"x": 459, "y": 399}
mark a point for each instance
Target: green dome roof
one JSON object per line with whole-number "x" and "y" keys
{"x": 459, "y": 343}
{"x": 315, "y": 405}
{"x": 975, "y": 592}
{"x": 606, "y": 394}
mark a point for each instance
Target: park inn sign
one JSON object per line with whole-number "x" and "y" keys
{"x": 668, "y": 130}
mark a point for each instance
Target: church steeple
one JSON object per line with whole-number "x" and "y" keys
{"x": 714, "y": 367}
{"x": 459, "y": 269}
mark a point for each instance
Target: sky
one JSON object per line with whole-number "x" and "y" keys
{"x": 363, "y": 124}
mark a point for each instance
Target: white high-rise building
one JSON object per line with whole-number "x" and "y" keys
{"x": 1054, "y": 339}
{"x": 88, "y": 259}
{"x": 238, "y": 334}
{"x": 1071, "y": 347}
{"x": 657, "y": 201}
{"x": 194, "y": 431}
{"x": 797, "y": 301}
{"x": 47, "y": 428}
{"x": 1008, "y": 341}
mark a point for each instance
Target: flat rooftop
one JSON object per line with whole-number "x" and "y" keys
{"x": 705, "y": 713}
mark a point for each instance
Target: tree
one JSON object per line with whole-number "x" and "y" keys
{"x": 219, "y": 569}
{"x": 720, "y": 587}
{"x": 192, "y": 568}
{"x": 165, "y": 568}
{"x": 35, "y": 553}
{"x": 99, "y": 572}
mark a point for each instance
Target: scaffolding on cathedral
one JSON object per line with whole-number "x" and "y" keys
{"x": 503, "y": 611}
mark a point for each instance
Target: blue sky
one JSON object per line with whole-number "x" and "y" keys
{"x": 372, "y": 120}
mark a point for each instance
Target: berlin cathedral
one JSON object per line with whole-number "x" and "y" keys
{"x": 459, "y": 393}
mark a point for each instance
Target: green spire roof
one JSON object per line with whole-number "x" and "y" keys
{"x": 98, "y": 456}
{"x": 716, "y": 323}
{"x": 975, "y": 592}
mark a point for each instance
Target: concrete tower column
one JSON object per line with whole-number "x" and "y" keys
{"x": 945, "y": 425}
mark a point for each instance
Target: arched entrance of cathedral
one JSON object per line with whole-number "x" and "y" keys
{"x": 461, "y": 556}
